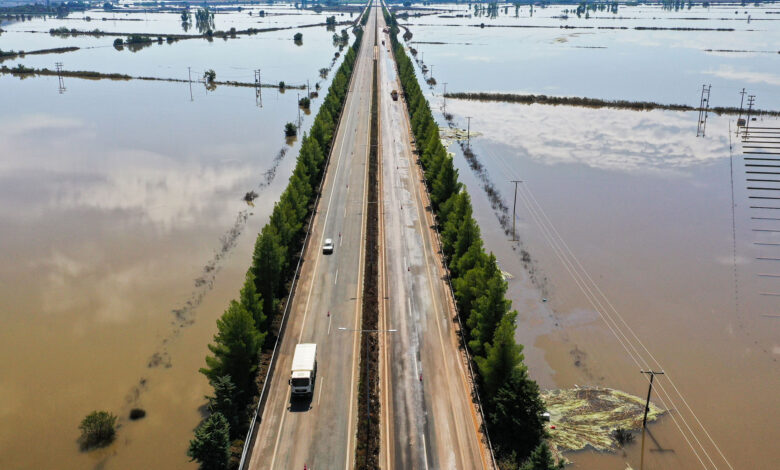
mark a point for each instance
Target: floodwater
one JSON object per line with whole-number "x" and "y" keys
{"x": 663, "y": 66}
{"x": 634, "y": 261}
{"x": 124, "y": 236}
{"x": 274, "y": 53}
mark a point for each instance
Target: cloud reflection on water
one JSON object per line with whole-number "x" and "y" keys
{"x": 628, "y": 141}
{"x": 92, "y": 172}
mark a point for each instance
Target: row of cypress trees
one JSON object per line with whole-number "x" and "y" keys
{"x": 243, "y": 331}
{"x": 511, "y": 401}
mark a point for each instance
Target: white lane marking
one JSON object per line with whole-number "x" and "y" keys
{"x": 425, "y": 452}
{"x": 278, "y": 437}
{"x": 410, "y": 306}
{"x": 320, "y": 394}
{"x": 330, "y": 320}
{"x": 336, "y": 280}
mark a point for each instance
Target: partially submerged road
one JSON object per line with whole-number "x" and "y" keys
{"x": 428, "y": 419}
{"x": 321, "y": 433}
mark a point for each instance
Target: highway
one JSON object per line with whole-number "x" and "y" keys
{"x": 428, "y": 420}
{"x": 321, "y": 433}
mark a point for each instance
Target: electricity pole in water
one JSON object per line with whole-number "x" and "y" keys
{"x": 514, "y": 209}
{"x": 751, "y": 102}
{"x": 741, "y": 102}
{"x": 299, "y": 109}
{"x": 61, "y": 82}
{"x": 468, "y": 131}
{"x": 189, "y": 79}
{"x": 652, "y": 375}
{"x": 445, "y": 97}
{"x": 258, "y": 89}
{"x": 704, "y": 106}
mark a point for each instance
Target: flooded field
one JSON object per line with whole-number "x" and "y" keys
{"x": 667, "y": 66}
{"x": 629, "y": 257}
{"x": 125, "y": 235}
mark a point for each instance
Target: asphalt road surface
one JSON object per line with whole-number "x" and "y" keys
{"x": 321, "y": 433}
{"x": 428, "y": 419}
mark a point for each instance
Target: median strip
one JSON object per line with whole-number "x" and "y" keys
{"x": 367, "y": 447}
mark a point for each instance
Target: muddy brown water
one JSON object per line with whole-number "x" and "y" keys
{"x": 122, "y": 241}
{"x": 644, "y": 206}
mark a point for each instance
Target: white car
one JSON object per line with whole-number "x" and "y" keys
{"x": 327, "y": 247}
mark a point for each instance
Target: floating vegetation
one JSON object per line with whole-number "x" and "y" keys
{"x": 584, "y": 417}
{"x": 452, "y": 134}
{"x": 596, "y": 103}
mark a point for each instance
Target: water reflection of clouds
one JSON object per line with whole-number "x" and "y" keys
{"x": 22, "y": 126}
{"x": 169, "y": 196}
{"x": 90, "y": 172}
{"x": 730, "y": 73}
{"x": 620, "y": 140}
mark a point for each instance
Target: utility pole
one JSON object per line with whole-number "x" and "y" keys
{"x": 468, "y": 131}
{"x": 308, "y": 90}
{"x": 741, "y": 102}
{"x": 445, "y": 97}
{"x": 751, "y": 102}
{"x": 514, "y": 210}
{"x": 299, "y": 109}
{"x": 652, "y": 375}
{"x": 60, "y": 80}
{"x": 704, "y": 107}
{"x": 258, "y": 89}
{"x": 189, "y": 79}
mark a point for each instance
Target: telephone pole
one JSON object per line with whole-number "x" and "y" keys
{"x": 741, "y": 102}
{"x": 258, "y": 89}
{"x": 59, "y": 77}
{"x": 468, "y": 131}
{"x": 189, "y": 78}
{"x": 704, "y": 107}
{"x": 751, "y": 102}
{"x": 514, "y": 210}
{"x": 652, "y": 375}
{"x": 299, "y": 109}
{"x": 445, "y": 97}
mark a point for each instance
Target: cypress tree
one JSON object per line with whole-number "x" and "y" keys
{"x": 503, "y": 355}
{"x": 211, "y": 446}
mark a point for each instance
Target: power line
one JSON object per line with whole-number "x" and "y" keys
{"x": 558, "y": 245}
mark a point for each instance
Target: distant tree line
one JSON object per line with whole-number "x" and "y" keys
{"x": 244, "y": 329}
{"x": 511, "y": 401}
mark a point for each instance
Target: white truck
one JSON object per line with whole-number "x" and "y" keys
{"x": 304, "y": 369}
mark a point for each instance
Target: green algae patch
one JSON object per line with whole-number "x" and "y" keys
{"x": 587, "y": 417}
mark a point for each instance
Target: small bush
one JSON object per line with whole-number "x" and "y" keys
{"x": 98, "y": 429}
{"x": 298, "y": 38}
{"x": 622, "y": 436}
{"x": 304, "y": 102}
{"x": 137, "y": 413}
{"x": 290, "y": 130}
{"x": 118, "y": 42}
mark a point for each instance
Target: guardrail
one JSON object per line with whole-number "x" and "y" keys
{"x": 245, "y": 454}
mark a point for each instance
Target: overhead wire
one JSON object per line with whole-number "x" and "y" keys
{"x": 596, "y": 304}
